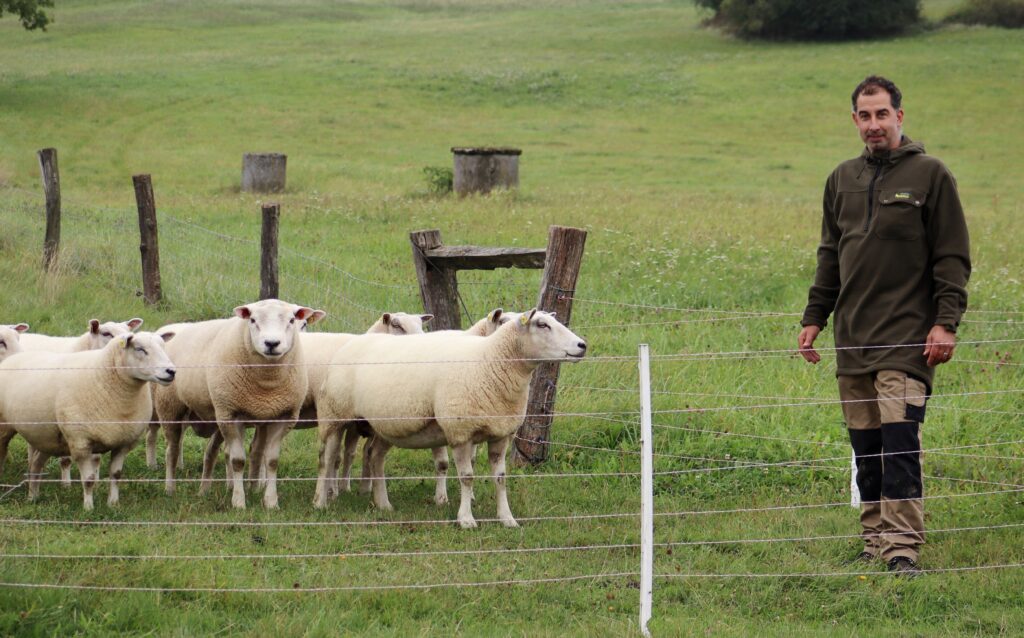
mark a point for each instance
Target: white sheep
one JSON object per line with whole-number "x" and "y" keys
{"x": 82, "y": 404}
{"x": 424, "y": 391}
{"x": 10, "y": 342}
{"x": 247, "y": 370}
{"x": 97, "y": 336}
{"x": 482, "y": 328}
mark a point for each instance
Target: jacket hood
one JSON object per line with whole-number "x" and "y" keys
{"x": 907, "y": 147}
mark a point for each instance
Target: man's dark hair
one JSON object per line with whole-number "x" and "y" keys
{"x": 872, "y": 85}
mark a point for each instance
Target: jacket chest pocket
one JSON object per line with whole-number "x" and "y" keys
{"x": 900, "y": 215}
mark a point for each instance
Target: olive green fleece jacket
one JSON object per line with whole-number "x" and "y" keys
{"x": 894, "y": 259}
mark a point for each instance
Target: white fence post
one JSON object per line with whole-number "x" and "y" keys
{"x": 646, "y": 493}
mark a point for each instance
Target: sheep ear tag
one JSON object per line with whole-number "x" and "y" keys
{"x": 524, "y": 319}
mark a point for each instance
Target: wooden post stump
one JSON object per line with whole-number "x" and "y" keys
{"x": 480, "y": 170}
{"x": 269, "y": 288}
{"x": 51, "y": 188}
{"x": 263, "y": 172}
{"x": 437, "y": 283}
{"x": 151, "y": 291}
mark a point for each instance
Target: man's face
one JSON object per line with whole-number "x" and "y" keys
{"x": 880, "y": 126}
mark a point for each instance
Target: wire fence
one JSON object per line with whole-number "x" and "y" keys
{"x": 355, "y": 299}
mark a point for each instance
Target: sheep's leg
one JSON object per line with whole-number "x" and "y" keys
{"x": 271, "y": 453}
{"x": 441, "y": 473}
{"x": 173, "y": 435}
{"x": 366, "y": 482}
{"x": 329, "y": 436}
{"x": 257, "y": 452}
{"x": 86, "y": 463}
{"x": 116, "y": 465}
{"x": 151, "y": 439}
{"x": 378, "y": 450}
{"x": 351, "y": 444}
{"x": 65, "y": 470}
{"x": 6, "y": 434}
{"x": 36, "y": 462}
{"x": 496, "y": 455}
{"x": 463, "y": 454}
{"x": 234, "y": 440}
{"x": 210, "y": 460}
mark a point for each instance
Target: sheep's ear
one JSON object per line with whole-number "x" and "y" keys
{"x": 552, "y": 313}
{"x": 21, "y": 327}
{"x": 426, "y": 318}
{"x": 386, "y": 318}
{"x": 243, "y": 311}
{"x": 133, "y": 324}
{"x": 167, "y": 336}
{"x": 309, "y": 315}
{"x": 494, "y": 316}
{"x": 94, "y": 326}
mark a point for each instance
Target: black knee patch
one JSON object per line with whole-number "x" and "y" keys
{"x": 902, "y": 474}
{"x": 237, "y": 464}
{"x": 914, "y": 413}
{"x": 867, "y": 449}
{"x": 442, "y": 466}
{"x": 272, "y": 465}
{"x": 116, "y": 475}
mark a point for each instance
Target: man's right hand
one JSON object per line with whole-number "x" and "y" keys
{"x": 805, "y": 342}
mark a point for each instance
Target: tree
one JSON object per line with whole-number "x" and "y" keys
{"x": 813, "y": 19}
{"x": 30, "y": 12}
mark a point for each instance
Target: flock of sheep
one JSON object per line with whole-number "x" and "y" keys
{"x": 79, "y": 397}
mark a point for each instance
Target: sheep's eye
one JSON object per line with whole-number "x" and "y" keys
{"x": 107, "y": 335}
{"x": 292, "y": 320}
{"x": 252, "y": 321}
{"x": 541, "y": 324}
{"x": 141, "y": 350}
{"x": 3, "y": 344}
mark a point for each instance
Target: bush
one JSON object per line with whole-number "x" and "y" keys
{"x": 814, "y": 19}
{"x": 439, "y": 179}
{"x": 993, "y": 13}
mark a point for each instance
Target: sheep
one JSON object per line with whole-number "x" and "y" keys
{"x": 426, "y": 391}
{"x": 97, "y": 336}
{"x": 10, "y": 343}
{"x": 82, "y": 404}
{"x": 236, "y": 372}
{"x": 481, "y": 328}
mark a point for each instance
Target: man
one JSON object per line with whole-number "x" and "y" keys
{"x": 893, "y": 265}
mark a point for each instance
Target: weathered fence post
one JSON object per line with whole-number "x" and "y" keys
{"x": 480, "y": 170}
{"x": 264, "y": 172}
{"x": 51, "y": 187}
{"x": 438, "y": 286}
{"x": 148, "y": 246}
{"x": 268, "y": 251}
{"x": 558, "y": 284}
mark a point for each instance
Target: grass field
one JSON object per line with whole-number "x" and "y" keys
{"x": 695, "y": 162}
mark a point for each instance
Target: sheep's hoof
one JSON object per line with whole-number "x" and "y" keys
{"x": 467, "y": 523}
{"x": 112, "y": 502}
{"x": 509, "y": 522}
{"x": 87, "y": 506}
{"x": 238, "y": 503}
{"x": 385, "y": 507}
{"x": 441, "y": 499}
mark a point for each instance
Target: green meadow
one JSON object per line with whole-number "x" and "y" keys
{"x": 695, "y": 162}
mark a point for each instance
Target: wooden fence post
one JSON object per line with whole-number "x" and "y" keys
{"x": 437, "y": 284}
{"x": 561, "y": 269}
{"x": 148, "y": 246}
{"x": 51, "y": 187}
{"x": 268, "y": 251}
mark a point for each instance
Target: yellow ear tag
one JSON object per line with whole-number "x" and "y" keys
{"x": 523, "y": 319}
{"x": 124, "y": 344}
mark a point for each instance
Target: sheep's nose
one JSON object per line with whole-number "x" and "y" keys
{"x": 272, "y": 345}
{"x": 582, "y": 345}
{"x": 171, "y": 372}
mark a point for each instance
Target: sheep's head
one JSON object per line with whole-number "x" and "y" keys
{"x": 273, "y": 324}
{"x": 9, "y": 343}
{"x": 543, "y": 337}
{"x": 144, "y": 357}
{"x": 399, "y": 323}
{"x": 100, "y": 334}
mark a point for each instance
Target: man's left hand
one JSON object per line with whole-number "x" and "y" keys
{"x": 939, "y": 345}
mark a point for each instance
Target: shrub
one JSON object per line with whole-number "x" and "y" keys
{"x": 994, "y": 13}
{"x": 814, "y": 19}
{"x": 439, "y": 179}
